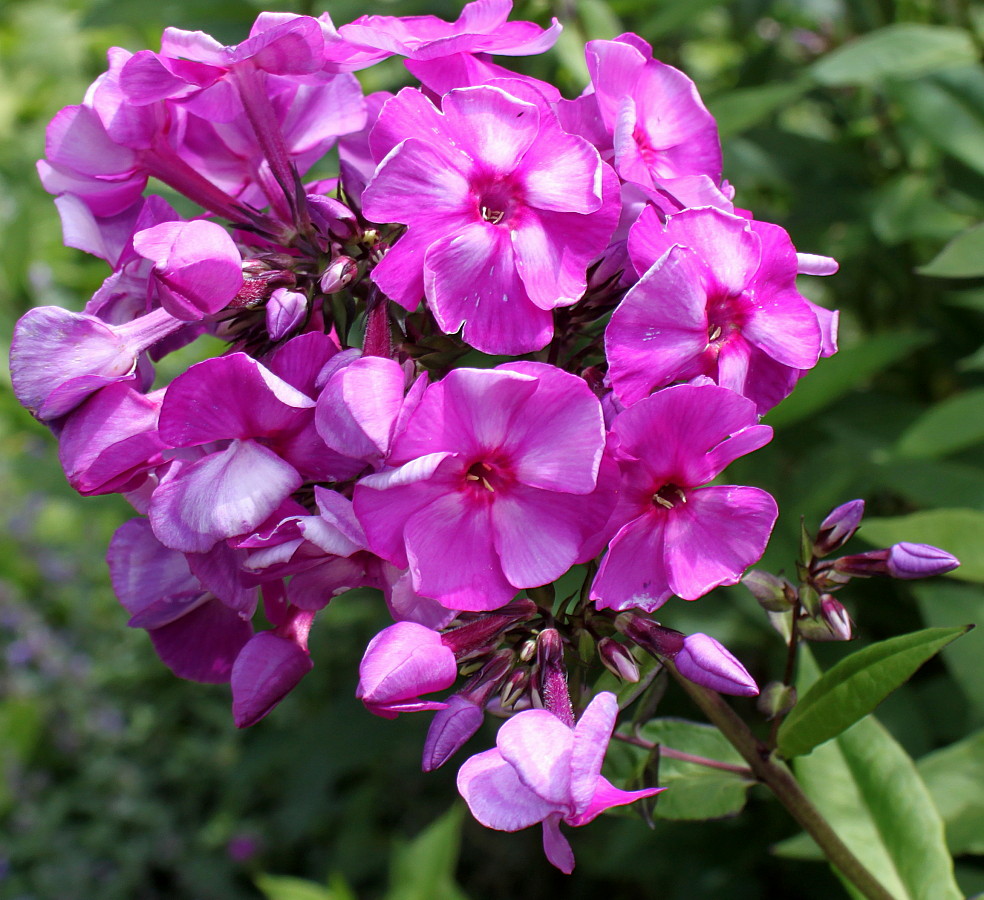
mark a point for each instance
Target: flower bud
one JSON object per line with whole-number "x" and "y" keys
{"x": 341, "y": 271}
{"x": 285, "y": 310}
{"x": 618, "y": 659}
{"x": 650, "y": 635}
{"x": 907, "y": 560}
{"x": 776, "y": 699}
{"x": 706, "y": 662}
{"x": 831, "y": 624}
{"x": 551, "y": 683}
{"x": 838, "y": 528}
{"x": 449, "y": 730}
{"x": 774, "y": 594}
{"x": 514, "y": 688}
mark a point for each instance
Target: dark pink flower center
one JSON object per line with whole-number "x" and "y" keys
{"x": 497, "y": 197}
{"x": 485, "y": 478}
{"x": 726, "y": 315}
{"x": 669, "y": 496}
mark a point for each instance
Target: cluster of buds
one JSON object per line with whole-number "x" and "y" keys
{"x": 819, "y": 615}
{"x": 341, "y": 440}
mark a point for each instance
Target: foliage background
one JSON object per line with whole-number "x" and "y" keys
{"x": 119, "y": 781}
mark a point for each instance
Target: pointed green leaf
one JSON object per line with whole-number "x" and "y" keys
{"x": 424, "y": 868}
{"x": 962, "y": 257}
{"x": 958, "y": 531}
{"x": 837, "y": 376}
{"x": 695, "y": 791}
{"x": 856, "y": 685}
{"x": 738, "y": 110}
{"x": 282, "y": 887}
{"x": 869, "y": 790}
{"x": 948, "y": 426}
{"x": 896, "y": 51}
{"x": 955, "y": 778}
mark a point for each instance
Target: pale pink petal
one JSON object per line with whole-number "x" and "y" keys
{"x": 592, "y": 733}
{"x": 496, "y": 796}
{"x": 555, "y": 845}
{"x": 539, "y": 746}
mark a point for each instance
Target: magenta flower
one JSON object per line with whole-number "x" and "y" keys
{"x": 718, "y": 298}
{"x": 402, "y": 662}
{"x": 660, "y": 128}
{"x": 677, "y": 537}
{"x": 542, "y": 770}
{"x": 505, "y": 212}
{"x": 498, "y": 485}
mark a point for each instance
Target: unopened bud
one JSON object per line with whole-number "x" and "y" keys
{"x": 618, "y": 660}
{"x": 513, "y": 688}
{"x": 838, "y": 528}
{"x": 341, "y": 272}
{"x": 285, "y": 311}
{"x": 832, "y": 623}
{"x": 650, "y": 635}
{"x": 706, "y": 662}
{"x": 527, "y": 650}
{"x": 449, "y": 730}
{"x": 919, "y": 561}
{"x": 551, "y": 681}
{"x": 773, "y": 593}
{"x": 776, "y": 699}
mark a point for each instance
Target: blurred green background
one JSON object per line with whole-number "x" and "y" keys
{"x": 856, "y": 124}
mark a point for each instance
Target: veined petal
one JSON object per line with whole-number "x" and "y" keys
{"x": 783, "y": 326}
{"x": 491, "y": 125}
{"x": 539, "y": 747}
{"x": 496, "y": 796}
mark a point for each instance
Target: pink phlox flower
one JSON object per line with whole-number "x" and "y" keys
{"x": 659, "y": 126}
{"x": 402, "y": 662}
{"x": 717, "y": 298}
{"x": 497, "y": 483}
{"x": 504, "y": 211}
{"x": 542, "y": 770}
{"x": 259, "y": 446}
{"x": 195, "y": 634}
{"x": 677, "y": 537}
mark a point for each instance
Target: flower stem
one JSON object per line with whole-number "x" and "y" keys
{"x": 670, "y": 753}
{"x": 775, "y": 775}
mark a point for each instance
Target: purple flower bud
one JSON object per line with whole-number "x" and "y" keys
{"x": 907, "y": 560}
{"x": 552, "y": 675}
{"x": 838, "y": 528}
{"x": 706, "y": 662}
{"x": 340, "y": 272}
{"x": 773, "y": 593}
{"x": 285, "y": 310}
{"x": 449, "y": 730}
{"x": 832, "y": 622}
{"x": 514, "y": 688}
{"x": 650, "y": 635}
{"x": 618, "y": 660}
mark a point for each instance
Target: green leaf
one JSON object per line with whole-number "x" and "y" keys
{"x": 943, "y": 603}
{"x": 958, "y": 531}
{"x": 963, "y": 257}
{"x": 837, "y": 376}
{"x": 947, "y": 109}
{"x": 737, "y": 111}
{"x": 869, "y": 790}
{"x": 949, "y": 426}
{"x": 955, "y": 778}
{"x": 695, "y": 792}
{"x": 926, "y": 482}
{"x": 281, "y": 887}
{"x": 907, "y": 207}
{"x": 856, "y": 685}
{"x": 423, "y": 869}
{"x": 904, "y": 50}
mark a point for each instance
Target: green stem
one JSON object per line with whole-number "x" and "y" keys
{"x": 775, "y": 775}
{"x": 670, "y": 753}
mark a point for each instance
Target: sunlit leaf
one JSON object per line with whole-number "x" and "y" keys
{"x": 951, "y": 425}
{"x": 424, "y": 868}
{"x": 963, "y": 257}
{"x": 955, "y": 778}
{"x": 856, "y": 685}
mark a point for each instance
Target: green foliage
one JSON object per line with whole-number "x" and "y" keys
{"x": 868, "y": 788}
{"x": 962, "y": 257}
{"x": 955, "y": 778}
{"x": 856, "y": 685}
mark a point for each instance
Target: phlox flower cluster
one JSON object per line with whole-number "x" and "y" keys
{"x": 509, "y": 335}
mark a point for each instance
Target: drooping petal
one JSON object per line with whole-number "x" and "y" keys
{"x": 539, "y": 746}
{"x": 555, "y": 845}
{"x": 496, "y": 796}
{"x": 606, "y": 796}
{"x": 634, "y": 574}
{"x": 591, "y": 736}
{"x": 267, "y": 669}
